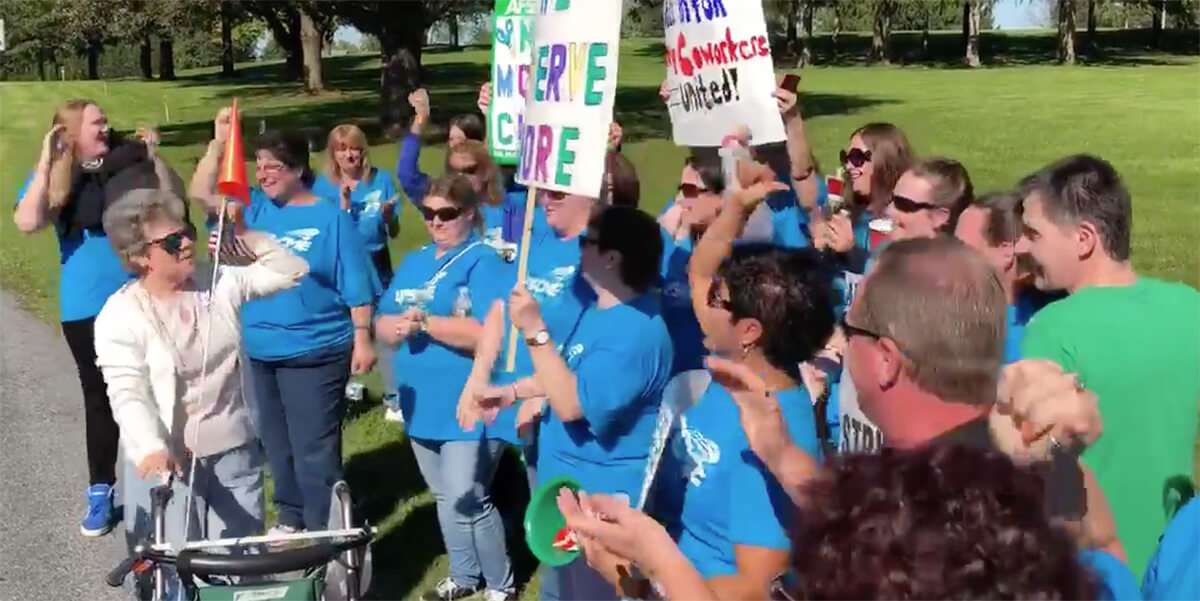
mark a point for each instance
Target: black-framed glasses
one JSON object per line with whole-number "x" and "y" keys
{"x": 856, "y": 157}
{"x": 586, "y": 240}
{"x": 852, "y": 331}
{"x": 443, "y": 214}
{"x": 905, "y": 204}
{"x": 714, "y": 299}
{"x": 172, "y": 243}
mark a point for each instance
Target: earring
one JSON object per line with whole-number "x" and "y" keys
{"x": 746, "y": 346}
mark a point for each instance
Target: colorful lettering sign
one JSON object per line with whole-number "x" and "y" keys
{"x": 568, "y": 109}
{"x": 512, "y": 53}
{"x": 720, "y": 71}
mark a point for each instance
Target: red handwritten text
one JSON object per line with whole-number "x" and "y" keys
{"x": 685, "y": 60}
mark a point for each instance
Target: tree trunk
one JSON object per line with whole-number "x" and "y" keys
{"x": 881, "y": 33}
{"x": 166, "y": 59}
{"x": 310, "y": 43}
{"x": 925, "y": 38}
{"x": 226, "y": 41}
{"x": 93, "y": 60}
{"x": 1066, "y": 32}
{"x": 145, "y": 60}
{"x": 401, "y": 75}
{"x": 837, "y": 28}
{"x": 1091, "y": 27}
{"x": 452, "y": 25}
{"x": 972, "y": 27}
{"x": 793, "y": 14}
{"x": 41, "y": 63}
{"x": 806, "y": 43}
{"x": 1157, "y": 22}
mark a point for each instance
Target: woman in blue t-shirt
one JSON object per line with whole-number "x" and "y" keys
{"x": 82, "y": 169}
{"x": 769, "y": 309}
{"x": 303, "y": 343}
{"x": 413, "y": 181}
{"x": 431, "y": 313}
{"x": 369, "y": 195}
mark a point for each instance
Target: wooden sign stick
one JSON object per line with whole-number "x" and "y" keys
{"x": 522, "y": 267}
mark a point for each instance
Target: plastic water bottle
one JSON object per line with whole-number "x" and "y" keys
{"x": 355, "y": 391}
{"x": 462, "y": 303}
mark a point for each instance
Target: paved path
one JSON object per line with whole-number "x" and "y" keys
{"x": 43, "y": 471}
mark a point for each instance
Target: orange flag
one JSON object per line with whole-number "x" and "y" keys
{"x": 232, "y": 180}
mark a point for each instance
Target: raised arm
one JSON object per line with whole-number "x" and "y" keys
{"x": 803, "y": 175}
{"x": 204, "y": 180}
{"x": 33, "y": 208}
{"x": 408, "y": 169}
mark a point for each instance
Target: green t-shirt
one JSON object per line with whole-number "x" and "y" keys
{"x": 1138, "y": 348}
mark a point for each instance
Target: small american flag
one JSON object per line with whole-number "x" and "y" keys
{"x": 234, "y": 250}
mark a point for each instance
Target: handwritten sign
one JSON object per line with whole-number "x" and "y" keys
{"x": 568, "y": 110}
{"x": 720, "y": 71}
{"x": 512, "y": 53}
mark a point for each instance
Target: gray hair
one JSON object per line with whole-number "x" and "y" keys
{"x": 125, "y": 220}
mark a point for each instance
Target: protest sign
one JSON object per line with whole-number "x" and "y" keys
{"x": 512, "y": 53}
{"x": 564, "y": 133}
{"x": 720, "y": 71}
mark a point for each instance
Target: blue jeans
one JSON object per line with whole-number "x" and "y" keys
{"x": 576, "y": 581}
{"x": 387, "y": 354}
{"x": 459, "y": 473}
{"x": 227, "y": 501}
{"x": 298, "y": 405}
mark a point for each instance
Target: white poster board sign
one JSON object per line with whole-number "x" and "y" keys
{"x": 720, "y": 71}
{"x": 512, "y": 52}
{"x": 568, "y": 109}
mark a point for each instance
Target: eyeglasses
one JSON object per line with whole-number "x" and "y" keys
{"x": 691, "y": 190}
{"x": 270, "y": 168}
{"x": 852, "y": 331}
{"x": 905, "y": 204}
{"x": 586, "y": 240}
{"x": 856, "y": 158}
{"x": 782, "y": 585}
{"x": 465, "y": 170}
{"x": 444, "y": 214}
{"x": 172, "y": 243}
{"x": 714, "y": 299}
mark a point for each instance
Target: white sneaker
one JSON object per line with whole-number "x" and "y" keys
{"x": 393, "y": 415}
{"x": 495, "y": 595}
{"x": 280, "y": 530}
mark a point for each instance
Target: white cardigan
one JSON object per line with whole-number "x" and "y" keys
{"x": 139, "y": 368}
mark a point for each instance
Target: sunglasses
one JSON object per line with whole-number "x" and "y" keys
{"x": 782, "y": 585}
{"x": 852, "y": 331}
{"x": 468, "y": 170}
{"x": 691, "y": 190}
{"x": 856, "y": 158}
{"x": 172, "y": 243}
{"x": 444, "y": 214}
{"x": 905, "y": 204}
{"x": 714, "y": 299}
{"x": 585, "y": 241}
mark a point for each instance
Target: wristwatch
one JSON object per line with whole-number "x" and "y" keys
{"x": 541, "y": 338}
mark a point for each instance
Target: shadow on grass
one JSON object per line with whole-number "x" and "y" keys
{"x": 403, "y": 555}
{"x": 382, "y": 478}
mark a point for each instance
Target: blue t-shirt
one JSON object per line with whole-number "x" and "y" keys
{"x": 714, "y": 492}
{"x": 1028, "y": 302}
{"x": 429, "y": 374}
{"x": 1116, "y": 582}
{"x": 621, "y": 358}
{"x": 1174, "y": 570}
{"x": 677, "y": 310}
{"x": 789, "y": 222}
{"x": 366, "y": 205}
{"x": 315, "y": 315}
{"x": 90, "y": 273}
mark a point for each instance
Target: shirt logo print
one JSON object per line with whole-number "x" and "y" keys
{"x": 548, "y": 288}
{"x": 298, "y": 240}
{"x": 371, "y": 204}
{"x": 695, "y": 452}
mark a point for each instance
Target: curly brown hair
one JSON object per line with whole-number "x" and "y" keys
{"x": 941, "y": 522}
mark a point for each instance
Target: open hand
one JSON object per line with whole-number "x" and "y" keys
{"x": 419, "y": 100}
{"x": 222, "y": 124}
{"x": 484, "y": 99}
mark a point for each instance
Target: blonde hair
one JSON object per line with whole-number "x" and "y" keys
{"x": 70, "y": 116}
{"x": 350, "y": 135}
{"x": 478, "y": 151}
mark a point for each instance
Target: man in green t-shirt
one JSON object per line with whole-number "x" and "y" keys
{"x": 1133, "y": 340}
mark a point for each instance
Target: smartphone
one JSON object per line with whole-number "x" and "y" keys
{"x": 791, "y": 82}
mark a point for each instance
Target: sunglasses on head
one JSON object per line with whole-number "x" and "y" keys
{"x": 905, "y": 204}
{"x": 714, "y": 299}
{"x": 172, "y": 243}
{"x": 691, "y": 190}
{"x": 857, "y": 157}
{"x": 443, "y": 214}
{"x": 586, "y": 240}
{"x": 467, "y": 170}
{"x": 782, "y": 585}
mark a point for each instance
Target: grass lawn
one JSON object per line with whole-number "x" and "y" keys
{"x": 1001, "y": 122}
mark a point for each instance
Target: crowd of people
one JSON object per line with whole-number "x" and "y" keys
{"x": 891, "y": 388}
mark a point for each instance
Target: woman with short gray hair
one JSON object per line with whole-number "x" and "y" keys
{"x": 169, "y": 346}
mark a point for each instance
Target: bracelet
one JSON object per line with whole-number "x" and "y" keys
{"x": 514, "y": 389}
